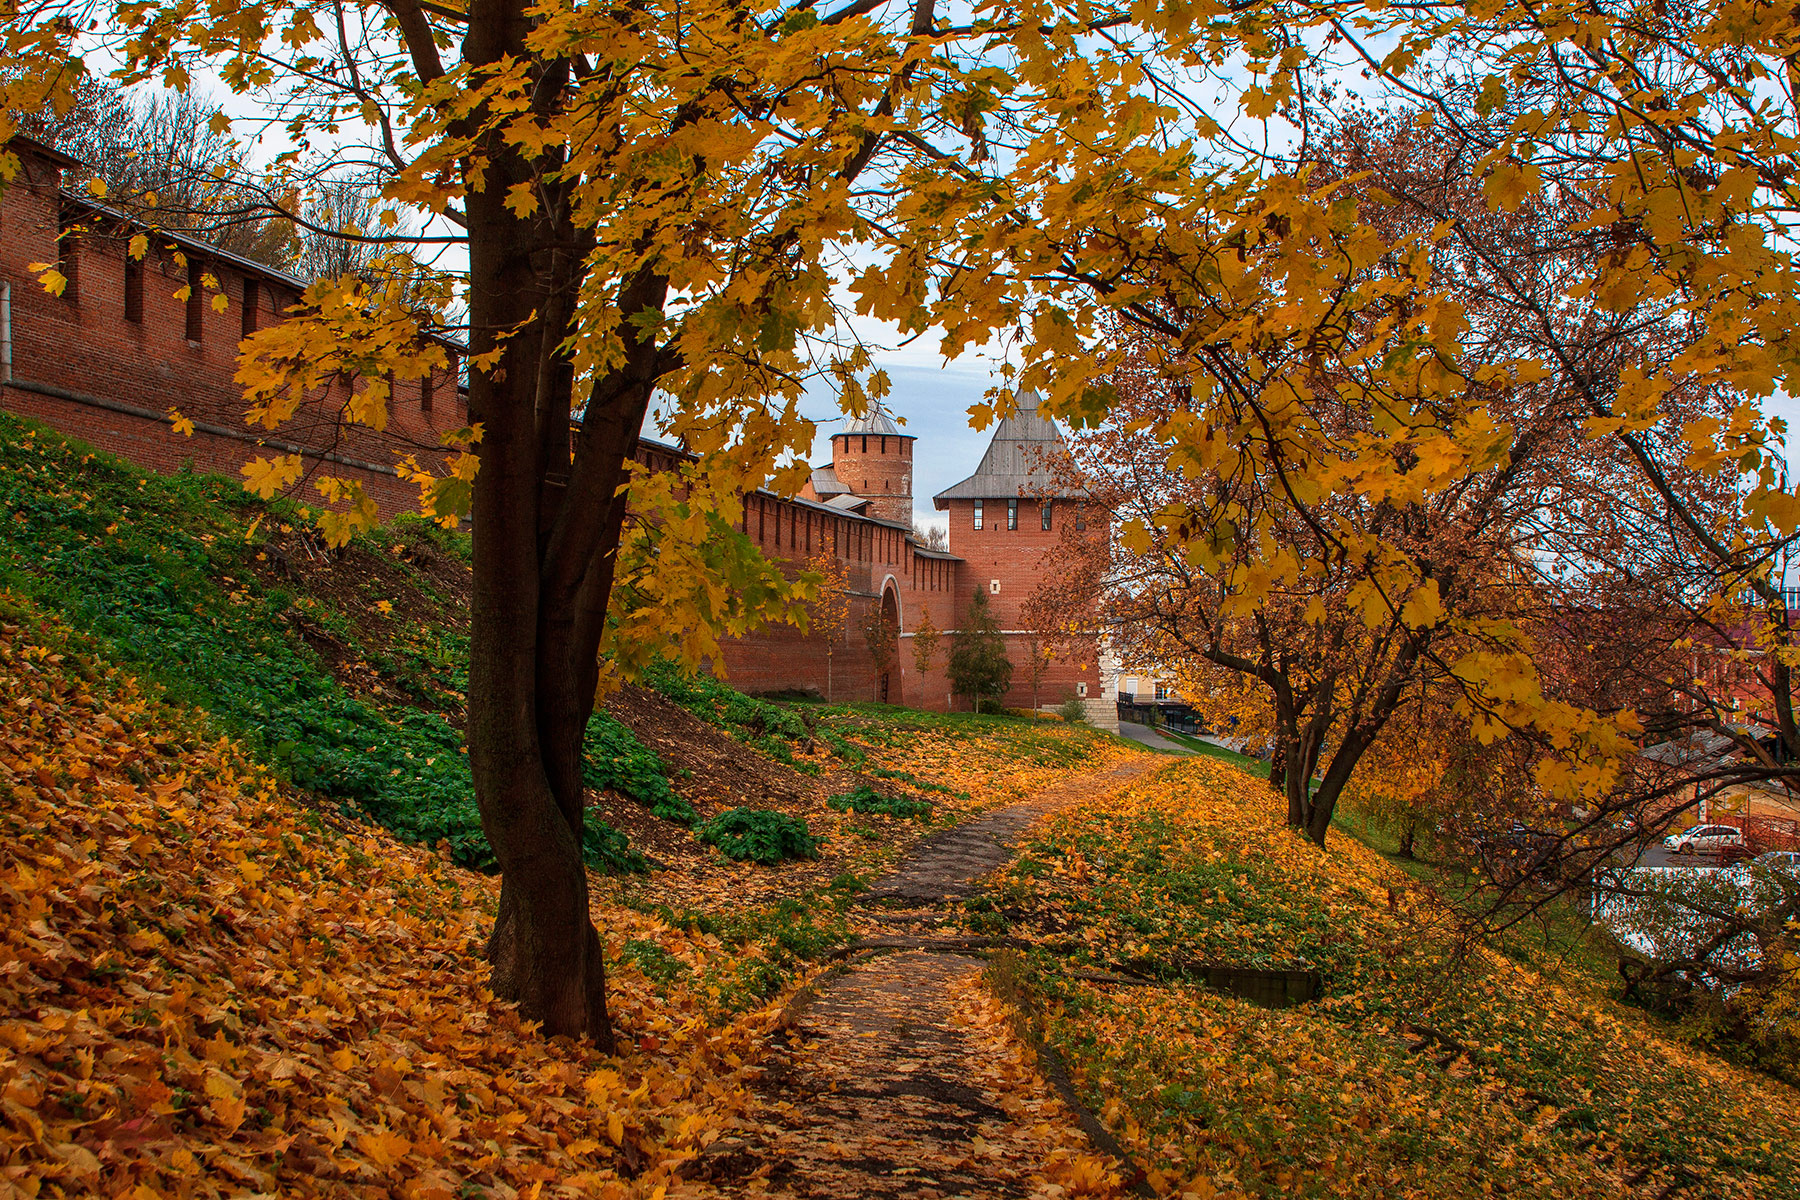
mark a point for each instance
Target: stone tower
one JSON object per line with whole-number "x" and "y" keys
{"x": 873, "y": 460}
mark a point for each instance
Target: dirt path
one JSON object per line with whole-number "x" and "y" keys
{"x": 902, "y": 1077}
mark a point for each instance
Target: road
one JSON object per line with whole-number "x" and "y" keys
{"x": 1146, "y": 736}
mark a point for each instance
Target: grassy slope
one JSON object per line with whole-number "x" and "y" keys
{"x": 1414, "y": 1075}
{"x": 180, "y": 578}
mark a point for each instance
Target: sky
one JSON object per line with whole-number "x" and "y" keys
{"x": 932, "y": 397}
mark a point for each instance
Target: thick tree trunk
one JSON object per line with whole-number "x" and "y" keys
{"x": 523, "y": 683}
{"x": 1331, "y": 786}
{"x": 1408, "y": 832}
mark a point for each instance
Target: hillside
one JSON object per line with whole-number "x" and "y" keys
{"x": 243, "y": 884}
{"x": 225, "y": 977}
{"x": 343, "y": 672}
{"x": 276, "y": 1000}
{"x": 1425, "y": 1068}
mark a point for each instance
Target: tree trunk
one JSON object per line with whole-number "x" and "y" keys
{"x": 526, "y": 707}
{"x": 1331, "y": 786}
{"x": 1407, "y": 833}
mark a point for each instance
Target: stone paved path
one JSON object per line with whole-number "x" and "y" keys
{"x": 949, "y": 864}
{"x": 904, "y": 1079}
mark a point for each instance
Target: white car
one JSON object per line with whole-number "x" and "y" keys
{"x": 1705, "y": 839}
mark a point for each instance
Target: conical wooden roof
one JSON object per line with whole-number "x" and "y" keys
{"x": 1028, "y": 457}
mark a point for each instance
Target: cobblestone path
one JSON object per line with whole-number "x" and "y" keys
{"x": 903, "y": 1077}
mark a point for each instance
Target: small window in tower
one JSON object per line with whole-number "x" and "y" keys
{"x": 1012, "y": 514}
{"x": 425, "y": 383}
{"x": 1080, "y": 518}
{"x": 865, "y": 448}
{"x": 1044, "y": 511}
{"x": 978, "y": 514}
{"x": 1081, "y": 690}
{"x": 884, "y": 444}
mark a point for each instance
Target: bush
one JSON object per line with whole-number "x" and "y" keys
{"x": 1073, "y": 711}
{"x": 866, "y": 799}
{"x": 760, "y": 836}
{"x": 612, "y": 757}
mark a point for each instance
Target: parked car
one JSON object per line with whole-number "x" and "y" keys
{"x": 1706, "y": 839}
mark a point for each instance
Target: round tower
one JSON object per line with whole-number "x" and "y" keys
{"x": 872, "y": 458}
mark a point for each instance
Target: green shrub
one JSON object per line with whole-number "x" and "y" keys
{"x": 866, "y": 799}
{"x": 923, "y": 785}
{"x": 612, "y": 757}
{"x": 760, "y": 836}
{"x": 657, "y": 964}
{"x": 1073, "y": 711}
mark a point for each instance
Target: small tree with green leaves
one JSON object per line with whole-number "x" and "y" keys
{"x": 979, "y": 667}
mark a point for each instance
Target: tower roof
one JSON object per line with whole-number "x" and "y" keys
{"x": 877, "y": 420}
{"x": 1027, "y": 457}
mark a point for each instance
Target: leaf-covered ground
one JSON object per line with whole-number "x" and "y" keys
{"x": 216, "y": 986}
{"x": 211, "y": 991}
{"x": 343, "y": 672}
{"x": 1413, "y": 1075}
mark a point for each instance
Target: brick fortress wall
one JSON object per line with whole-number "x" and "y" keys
{"x": 1007, "y": 562}
{"x": 108, "y": 359}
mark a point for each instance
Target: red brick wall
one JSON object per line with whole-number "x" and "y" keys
{"x": 877, "y": 557}
{"x": 84, "y": 343}
{"x": 1013, "y": 561}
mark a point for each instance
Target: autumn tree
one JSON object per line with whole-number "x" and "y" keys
{"x": 161, "y": 157}
{"x": 650, "y": 202}
{"x": 931, "y": 537}
{"x": 979, "y": 667}
{"x": 829, "y": 611}
{"x": 882, "y": 637}
{"x": 925, "y": 638}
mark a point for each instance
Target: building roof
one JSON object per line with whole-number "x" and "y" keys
{"x": 876, "y": 420}
{"x": 30, "y": 145}
{"x": 826, "y": 483}
{"x": 850, "y": 503}
{"x": 1027, "y": 457}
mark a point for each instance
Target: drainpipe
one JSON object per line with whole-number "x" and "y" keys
{"x": 5, "y": 333}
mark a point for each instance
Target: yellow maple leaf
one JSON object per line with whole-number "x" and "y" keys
{"x": 266, "y": 476}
